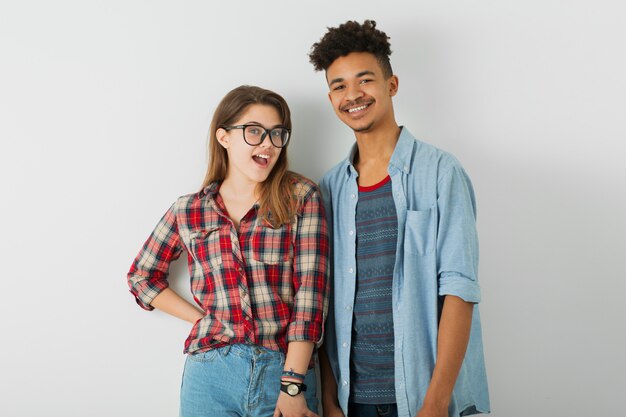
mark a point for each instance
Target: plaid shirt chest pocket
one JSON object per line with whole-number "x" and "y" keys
{"x": 272, "y": 246}
{"x": 206, "y": 248}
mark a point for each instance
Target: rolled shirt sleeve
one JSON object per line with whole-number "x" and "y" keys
{"x": 148, "y": 273}
{"x": 457, "y": 240}
{"x": 310, "y": 272}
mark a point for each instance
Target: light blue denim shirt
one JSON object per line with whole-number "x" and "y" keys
{"x": 437, "y": 255}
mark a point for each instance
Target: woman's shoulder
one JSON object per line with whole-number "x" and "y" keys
{"x": 187, "y": 201}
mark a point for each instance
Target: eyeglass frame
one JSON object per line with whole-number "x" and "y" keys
{"x": 263, "y": 136}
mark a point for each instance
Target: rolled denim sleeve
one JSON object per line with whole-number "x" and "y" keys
{"x": 457, "y": 240}
{"x": 148, "y": 273}
{"x": 310, "y": 272}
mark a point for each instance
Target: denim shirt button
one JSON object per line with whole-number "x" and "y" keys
{"x": 350, "y": 270}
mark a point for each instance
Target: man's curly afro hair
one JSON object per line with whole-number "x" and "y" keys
{"x": 352, "y": 37}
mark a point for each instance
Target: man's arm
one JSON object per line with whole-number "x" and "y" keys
{"x": 454, "y": 331}
{"x": 330, "y": 404}
{"x": 457, "y": 256}
{"x": 330, "y": 401}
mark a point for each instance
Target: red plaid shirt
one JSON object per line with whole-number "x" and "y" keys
{"x": 259, "y": 286}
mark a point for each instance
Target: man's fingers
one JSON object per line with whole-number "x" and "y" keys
{"x": 276, "y": 412}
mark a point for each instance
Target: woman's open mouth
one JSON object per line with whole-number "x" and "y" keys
{"x": 261, "y": 159}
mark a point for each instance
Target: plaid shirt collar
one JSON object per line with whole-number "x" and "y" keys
{"x": 210, "y": 190}
{"x": 211, "y": 195}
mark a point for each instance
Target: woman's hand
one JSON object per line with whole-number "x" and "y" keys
{"x": 288, "y": 406}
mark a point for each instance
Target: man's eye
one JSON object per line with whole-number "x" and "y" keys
{"x": 365, "y": 81}
{"x": 338, "y": 87}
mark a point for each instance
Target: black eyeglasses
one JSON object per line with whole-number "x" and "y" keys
{"x": 255, "y": 135}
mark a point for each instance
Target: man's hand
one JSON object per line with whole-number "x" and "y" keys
{"x": 430, "y": 410}
{"x": 454, "y": 331}
{"x": 329, "y": 387}
{"x": 288, "y": 406}
{"x": 333, "y": 411}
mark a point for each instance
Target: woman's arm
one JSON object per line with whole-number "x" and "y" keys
{"x": 310, "y": 275}
{"x": 297, "y": 360}
{"x": 298, "y": 357}
{"x": 171, "y": 303}
{"x": 147, "y": 277}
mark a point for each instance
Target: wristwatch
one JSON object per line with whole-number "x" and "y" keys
{"x": 292, "y": 388}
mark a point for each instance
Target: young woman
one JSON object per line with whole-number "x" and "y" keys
{"x": 257, "y": 248}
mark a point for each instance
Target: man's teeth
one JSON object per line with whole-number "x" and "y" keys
{"x": 357, "y": 108}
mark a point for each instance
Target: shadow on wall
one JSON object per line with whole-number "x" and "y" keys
{"x": 550, "y": 237}
{"x": 319, "y": 140}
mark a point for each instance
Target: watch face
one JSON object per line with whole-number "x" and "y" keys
{"x": 293, "y": 389}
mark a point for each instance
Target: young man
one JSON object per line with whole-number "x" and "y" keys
{"x": 403, "y": 334}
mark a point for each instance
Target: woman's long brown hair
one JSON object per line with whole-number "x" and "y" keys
{"x": 277, "y": 202}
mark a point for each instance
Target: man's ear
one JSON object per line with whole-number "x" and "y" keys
{"x": 393, "y": 83}
{"x": 222, "y": 137}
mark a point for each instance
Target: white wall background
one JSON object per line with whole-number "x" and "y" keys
{"x": 104, "y": 110}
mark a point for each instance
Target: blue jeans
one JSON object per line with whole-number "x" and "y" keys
{"x": 372, "y": 410}
{"x": 236, "y": 381}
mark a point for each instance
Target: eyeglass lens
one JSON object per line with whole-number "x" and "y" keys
{"x": 254, "y": 135}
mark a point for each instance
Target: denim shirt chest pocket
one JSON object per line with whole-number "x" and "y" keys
{"x": 205, "y": 247}
{"x": 420, "y": 231}
{"x": 272, "y": 246}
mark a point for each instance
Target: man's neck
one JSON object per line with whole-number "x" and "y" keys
{"x": 374, "y": 152}
{"x": 377, "y": 145}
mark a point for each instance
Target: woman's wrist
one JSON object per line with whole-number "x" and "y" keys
{"x": 292, "y": 375}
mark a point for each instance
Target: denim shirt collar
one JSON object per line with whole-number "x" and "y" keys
{"x": 400, "y": 159}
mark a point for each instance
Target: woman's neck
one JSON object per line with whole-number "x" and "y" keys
{"x": 238, "y": 198}
{"x": 240, "y": 190}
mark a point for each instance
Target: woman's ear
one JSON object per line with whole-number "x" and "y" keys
{"x": 222, "y": 137}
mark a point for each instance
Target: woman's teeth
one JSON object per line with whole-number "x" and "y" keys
{"x": 261, "y": 159}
